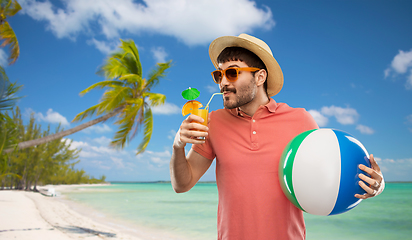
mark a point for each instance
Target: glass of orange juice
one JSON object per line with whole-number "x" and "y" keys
{"x": 203, "y": 113}
{"x": 194, "y": 107}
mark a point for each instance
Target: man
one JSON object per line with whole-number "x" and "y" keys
{"x": 247, "y": 138}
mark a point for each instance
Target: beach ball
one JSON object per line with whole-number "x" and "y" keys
{"x": 318, "y": 171}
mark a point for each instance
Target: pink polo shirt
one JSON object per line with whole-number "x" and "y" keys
{"x": 247, "y": 150}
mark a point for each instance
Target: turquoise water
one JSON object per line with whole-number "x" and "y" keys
{"x": 192, "y": 215}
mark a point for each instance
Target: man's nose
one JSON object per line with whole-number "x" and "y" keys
{"x": 224, "y": 82}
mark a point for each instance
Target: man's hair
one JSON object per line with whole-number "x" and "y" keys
{"x": 243, "y": 55}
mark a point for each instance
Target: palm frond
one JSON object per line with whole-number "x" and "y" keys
{"x": 8, "y": 98}
{"x": 115, "y": 97}
{"x": 131, "y": 109}
{"x": 127, "y": 122}
{"x": 132, "y": 79}
{"x": 11, "y": 8}
{"x": 156, "y": 99}
{"x": 156, "y": 74}
{"x": 148, "y": 129}
{"x": 9, "y": 38}
{"x": 102, "y": 84}
{"x": 113, "y": 67}
{"x": 3, "y": 74}
{"x": 131, "y": 56}
{"x": 88, "y": 112}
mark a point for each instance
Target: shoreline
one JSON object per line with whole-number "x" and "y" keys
{"x": 31, "y": 215}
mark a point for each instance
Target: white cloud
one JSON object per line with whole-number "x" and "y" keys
{"x": 102, "y": 140}
{"x": 118, "y": 162}
{"x": 88, "y": 154}
{"x": 157, "y": 158}
{"x": 166, "y": 153}
{"x": 100, "y": 128}
{"x": 344, "y": 116}
{"x": 78, "y": 145}
{"x": 212, "y": 88}
{"x": 104, "y": 46}
{"x": 159, "y": 54}
{"x": 172, "y": 134}
{"x": 51, "y": 117}
{"x": 409, "y": 121}
{"x": 3, "y": 58}
{"x": 408, "y": 83}
{"x": 193, "y": 22}
{"x": 402, "y": 61}
{"x": 400, "y": 65}
{"x": 321, "y": 120}
{"x": 85, "y": 149}
{"x": 396, "y": 169}
{"x": 160, "y": 158}
{"x": 365, "y": 129}
{"x": 166, "y": 109}
{"x": 104, "y": 150}
{"x": 90, "y": 151}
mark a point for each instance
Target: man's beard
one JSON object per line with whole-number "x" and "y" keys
{"x": 243, "y": 95}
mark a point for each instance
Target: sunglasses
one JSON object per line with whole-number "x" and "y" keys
{"x": 231, "y": 73}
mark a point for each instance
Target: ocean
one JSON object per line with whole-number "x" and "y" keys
{"x": 192, "y": 215}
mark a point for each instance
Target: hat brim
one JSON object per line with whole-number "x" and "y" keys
{"x": 275, "y": 75}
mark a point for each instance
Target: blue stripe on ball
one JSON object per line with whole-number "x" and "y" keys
{"x": 352, "y": 154}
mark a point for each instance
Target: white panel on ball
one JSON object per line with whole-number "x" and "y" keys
{"x": 318, "y": 159}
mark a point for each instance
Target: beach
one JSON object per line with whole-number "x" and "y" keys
{"x": 31, "y": 215}
{"x": 155, "y": 211}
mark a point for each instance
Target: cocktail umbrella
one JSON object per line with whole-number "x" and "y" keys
{"x": 190, "y": 93}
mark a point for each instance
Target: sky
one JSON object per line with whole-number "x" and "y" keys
{"x": 349, "y": 63}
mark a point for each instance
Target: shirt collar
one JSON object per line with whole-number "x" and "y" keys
{"x": 271, "y": 107}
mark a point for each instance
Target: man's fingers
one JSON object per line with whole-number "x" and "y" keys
{"x": 369, "y": 191}
{"x": 367, "y": 179}
{"x": 195, "y": 118}
{"x": 192, "y": 140}
{"x": 373, "y": 173}
{"x": 374, "y": 164}
{"x": 192, "y": 131}
{"x": 364, "y": 196}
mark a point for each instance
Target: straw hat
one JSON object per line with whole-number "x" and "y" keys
{"x": 258, "y": 47}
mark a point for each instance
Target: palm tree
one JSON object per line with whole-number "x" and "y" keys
{"x": 128, "y": 96}
{"x": 9, "y": 8}
{"x": 7, "y": 92}
{"x": 7, "y": 125}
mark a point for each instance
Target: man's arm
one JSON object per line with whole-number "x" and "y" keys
{"x": 185, "y": 171}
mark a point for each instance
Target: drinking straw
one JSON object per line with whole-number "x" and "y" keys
{"x": 207, "y": 106}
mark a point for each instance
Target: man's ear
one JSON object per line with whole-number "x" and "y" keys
{"x": 260, "y": 77}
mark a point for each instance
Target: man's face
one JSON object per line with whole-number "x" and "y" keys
{"x": 238, "y": 93}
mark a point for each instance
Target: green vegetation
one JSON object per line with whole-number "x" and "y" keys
{"x": 128, "y": 93}
{"x": 8, "y": 38}
{"x": 49, "y": 163}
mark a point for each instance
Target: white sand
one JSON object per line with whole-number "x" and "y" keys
{"x": 29, "y": 215}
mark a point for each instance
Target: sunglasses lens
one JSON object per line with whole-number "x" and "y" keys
{"x": 217, "y": 76}
{"x": 231, "y": 74}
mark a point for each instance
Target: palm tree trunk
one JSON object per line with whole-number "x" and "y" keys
{"x": 65, "y": 133}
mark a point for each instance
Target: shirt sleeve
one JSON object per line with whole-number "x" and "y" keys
{"x": 309, "y": 122}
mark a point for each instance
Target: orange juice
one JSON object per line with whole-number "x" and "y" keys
{"x": 203, "y": 113}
